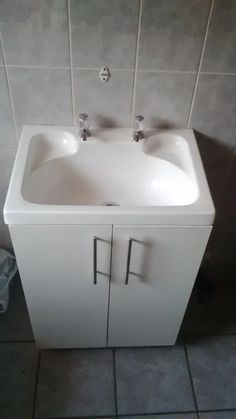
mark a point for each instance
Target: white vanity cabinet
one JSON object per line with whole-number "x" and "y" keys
{"x": 66, "y": 308}
{"x": 99, "y": 285}
{"x": 164, "y": 261}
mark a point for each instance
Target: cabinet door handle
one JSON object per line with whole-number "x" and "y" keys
{"x": 95, "y": 268}
{"x": 128, "y": 260}
{"x": 95, "y": 240}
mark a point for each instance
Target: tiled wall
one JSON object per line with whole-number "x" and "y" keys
{"x": 174, "y": 61}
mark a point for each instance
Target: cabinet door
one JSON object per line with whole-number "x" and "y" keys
{"x": 164, "y": 261}
{"x": 56, "y": 265}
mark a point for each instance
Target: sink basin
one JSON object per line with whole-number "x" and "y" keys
{"x": 107, "y": 179}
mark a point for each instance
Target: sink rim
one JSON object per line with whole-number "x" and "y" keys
{"x": 17, "y": 210}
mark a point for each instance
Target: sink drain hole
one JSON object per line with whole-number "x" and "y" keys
{"x": 111, "y": 204}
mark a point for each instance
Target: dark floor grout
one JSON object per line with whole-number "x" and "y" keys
{"x": 115, "y": 382}
{"x": 82, "y": 417}
{"x": 218, "y": 410}
{"x": 191, "y": 378}
{"x": 36, "y": 384}
{"x": 158, "y": 414}
{"x": 147, "y": 414}
{"x": 182, "y": 336}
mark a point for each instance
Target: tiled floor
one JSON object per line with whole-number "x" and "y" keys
{"x": 194, "y": 379}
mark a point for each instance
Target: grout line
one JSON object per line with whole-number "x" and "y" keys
{"x": 183, "y": 336}
{"x": 145, "y": 414}
{"x": 233, "y": 409}
{"x": 190, "y": 376}
{"x": 81, "y": 417}
{"x": 8, "y": 148}
{"x": 115, "y": 384}
{"x": 36, "y": 385}
{"x": 167, "y": 71}
{"x": 136, "y": 62}
{"x": 200, "y": 63}
{"x": 141, "y": 70}
{"x": 216, "y": 73}
{"x": 71, "y": 64}
{"x": 9, "y": 88}
{"x": 156, "y": 414}
{"x": 97, "y": 69}
{"x": 43, "y": 67}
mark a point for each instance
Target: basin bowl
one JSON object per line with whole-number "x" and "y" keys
{"x": 108, "y": 179}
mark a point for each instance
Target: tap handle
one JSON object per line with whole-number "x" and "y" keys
{"x": 138, "y": 121}
{"x": 83, "y": 121}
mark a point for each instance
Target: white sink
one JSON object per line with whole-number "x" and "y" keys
{"x": 108, "y": 179}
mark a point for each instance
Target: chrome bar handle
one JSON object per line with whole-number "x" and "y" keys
{"x": 95, "y": 240}
{"x": 128, "y": 260}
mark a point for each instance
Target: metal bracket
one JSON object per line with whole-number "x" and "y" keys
{"x": 104, "y": 74}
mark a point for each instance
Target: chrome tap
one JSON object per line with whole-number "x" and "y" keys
{"x": 138, "y": 131}
{"x": 83, "y": 126}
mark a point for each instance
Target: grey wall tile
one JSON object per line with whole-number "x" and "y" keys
{"x": 220, "y": 51}
{"x": 18, "y": 363}
{"x": 108, "y": 104}
{"x": 215, "y": 108}
{"x": 164, "y": 98}
{"x": 7, "y": 128}
{"x": 6, "y": 162}
{"x": 76, "y": 383}
{"x": 213, "y": 366}
{"x": 35, "y": 33}
{"x": 216, "y": 159}
{"x": 172, "y": 34}
{"x": 152, "y": 380}
{"x": 104, "y": 32}
{"x": 41, "y": 96}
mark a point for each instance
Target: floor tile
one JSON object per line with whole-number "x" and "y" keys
{"x": 213, "y": 366}
{"x": 218, "y": 415}
{"x": 15, "y": 323}
{"x": 18, "y": 364}
{"x": 76, "y": 383}
{"x": 152, "y": 380}
{"x": 168, "y": 416}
